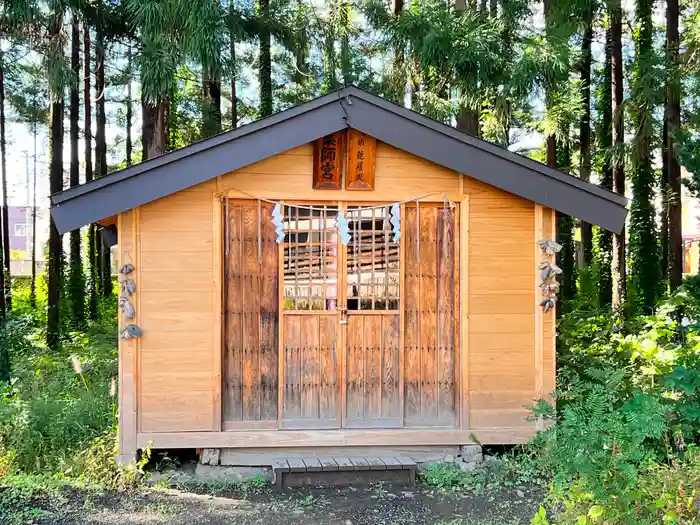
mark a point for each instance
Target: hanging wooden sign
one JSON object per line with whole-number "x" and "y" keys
{"x": 362, "y": 152}
{"x": 328, "y": 158}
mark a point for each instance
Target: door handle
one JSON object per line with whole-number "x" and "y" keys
{"x": 343, "y": 321}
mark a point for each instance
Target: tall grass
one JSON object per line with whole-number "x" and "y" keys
{"x": 57, "y": 403}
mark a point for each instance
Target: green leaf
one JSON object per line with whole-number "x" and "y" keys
{"x": 595, "y": 512}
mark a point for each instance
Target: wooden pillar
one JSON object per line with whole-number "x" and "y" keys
{"x": 539, "y": 314}
{"x": 464, "y": 311}
{"x": 128, "y": 348}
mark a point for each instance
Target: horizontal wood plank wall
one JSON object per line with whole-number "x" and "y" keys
{"x": 176, "y": 309}
{"x": 399, "y": 175}
{"x": 501, "y": 307}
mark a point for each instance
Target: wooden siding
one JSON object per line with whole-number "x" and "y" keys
{"x": 399, "y": 175}
{"x": 176, "y": 381}
{"x": 177, "y": 312}
{"x": 501, "y": 379}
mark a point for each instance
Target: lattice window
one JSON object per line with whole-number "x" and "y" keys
{"x": 373, "y": 261}
{"x": 310, "y": 258}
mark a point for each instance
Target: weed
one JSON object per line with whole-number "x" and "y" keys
{"x": 254, "y": 484}
{"x": 307, "y": 501}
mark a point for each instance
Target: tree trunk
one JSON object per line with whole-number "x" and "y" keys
{"x": 232, "y": 44}
{"x": 566, "y": 258}
{"x": 75, "y": 277}
{"x": 663, "y": 190}
{"x": 673, "y": 97}
{"x": 345, "y": 59}
{"x": 104, "y": 270}
{"x": 129, "y": 111}
{"x": 605, "y": 141}
{"x": 619, "y": 263}
{"x": 265, "y": 70}
{"x": 55, "y": 185}
{"x": 467, "y": 118}
{"x": 92, "y": 278}
{"x": 211, "y": 90}
{"x": 7, "y": 278}
{"x": 155, "y": 129}
{"x": 3, "y": 305}
{"x": 148, "y": 122}
{"x": 585, "y": 130}
{"x": 643, "y": 243}
{"x": 32, "y": 286}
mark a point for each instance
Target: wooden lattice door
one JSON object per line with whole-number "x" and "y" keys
{"x": 322, "y": 335}
{"x": 372, "y": 304}
{"x": 311, "y": 318}
{"x": 251, "y": 317}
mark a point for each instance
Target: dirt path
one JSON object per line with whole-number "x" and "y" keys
{"x": 377, "y": 505}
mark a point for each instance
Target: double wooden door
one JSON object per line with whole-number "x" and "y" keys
{"x": 365, "y": 331}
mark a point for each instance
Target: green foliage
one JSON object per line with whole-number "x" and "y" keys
{"x": 627, "y": 412}
{"x": 55, "y": 405}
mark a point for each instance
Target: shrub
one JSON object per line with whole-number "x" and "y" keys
{"x": 50, "y": 411}
{"x": 628, "y": 407}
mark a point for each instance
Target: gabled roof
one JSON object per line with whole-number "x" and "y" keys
{"x": 349, "y": 107}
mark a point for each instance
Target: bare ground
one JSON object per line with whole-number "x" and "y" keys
{"x": 378, "y": 505}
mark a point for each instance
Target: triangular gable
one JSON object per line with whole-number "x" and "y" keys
{"x": 347, "y": 108}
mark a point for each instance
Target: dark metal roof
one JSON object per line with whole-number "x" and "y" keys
{"x": 347, "y": 107}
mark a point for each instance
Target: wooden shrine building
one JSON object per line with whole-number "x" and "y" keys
{"x": 346, "y": 273}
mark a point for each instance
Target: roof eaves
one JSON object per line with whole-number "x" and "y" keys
{"x": 197, "y": 147}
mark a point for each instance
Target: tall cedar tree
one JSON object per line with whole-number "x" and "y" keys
{"x": 211, "y": 121}
{"x": 104, "y": 270}
{"x": 344, "y": 27}
{"x": 643, "y": 247}
{"x": 232, "y": 45}
{"x": 604, "y": 141}
{"x": 330, "y": 80}
{"x": 673, "y": 115}
{"x": 585, "y": 125}
{"x": 32, "y": 285}
{"x": 301, "y": 47}
{"x": 619, "y": 266}
{"x": 4, "y": 348}
{"x": 467, "y": 118}
{"x": 53, "y": 334}
{"x": 129, "y": 117}
{"x": 663, "y": 190}
{"x": 76, "y": 285}
{"x": 265, "y": 69}
{"x": 93, "y": 301}
{"x": 7, "y": 280}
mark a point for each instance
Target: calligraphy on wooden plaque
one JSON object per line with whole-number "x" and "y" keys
{"x": 362, "y": 152}
{"x": 328, "y": 159}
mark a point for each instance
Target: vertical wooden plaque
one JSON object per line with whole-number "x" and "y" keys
{"x": 328, "y": 159}
{"x": 362, "y": 152}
